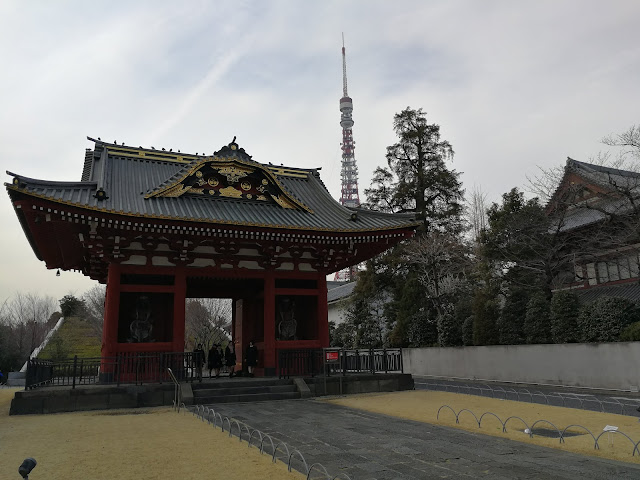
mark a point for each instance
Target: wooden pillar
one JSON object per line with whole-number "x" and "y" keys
{"x": 270, "y": 361}
{"x": 323, "y": 311}
{"x": 179, "y": 300}
{"x": 111, "y": 312}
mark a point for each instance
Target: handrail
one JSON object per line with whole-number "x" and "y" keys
{"x": 177, "y": 393}
{"x": 309, "y": 362}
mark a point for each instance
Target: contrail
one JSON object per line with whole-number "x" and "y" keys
{"x": 220, "y": 68}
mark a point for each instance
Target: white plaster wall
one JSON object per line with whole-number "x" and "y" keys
{"x": 336, "y": 313}
{"x": 604, "y": 365}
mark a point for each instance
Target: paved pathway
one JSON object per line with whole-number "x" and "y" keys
{"x": 371, "y": 446}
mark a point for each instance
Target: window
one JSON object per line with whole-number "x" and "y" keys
{"x": 591, "y": 273}
{"x": 633, "y": 266}
{"x": 623, "y": 264}
{"x": 578, "y": 273}
{"x": 612, "y": 266}
{"x": 603, "y": 274}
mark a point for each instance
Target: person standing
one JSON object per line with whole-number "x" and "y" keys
{"x": 198, "y": 361}
{"x": 210, "y": 358}
{"x": 251, "y": 357}
{"x": 215, "y": 360}
{"x": 230, "y": 357}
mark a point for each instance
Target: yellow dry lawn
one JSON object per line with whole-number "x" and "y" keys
{"x": 423, "y": 406}
{"x": 154, "y": 443}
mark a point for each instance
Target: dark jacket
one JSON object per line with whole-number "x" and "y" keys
{"x": 198, "y": 357}
{"x": 230, "y": 357}
{"x": 215, "y": 359}
{"x": 252, "y": 356}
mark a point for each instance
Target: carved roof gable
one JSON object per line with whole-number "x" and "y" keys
{"x": 229, "y": 173}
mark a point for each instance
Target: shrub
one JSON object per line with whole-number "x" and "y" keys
{"x": 467, "y": 331}
{"x": 449, "y": 330}
{"x": 631, "y": 333}
{"x": 536, "y": 321}
{"x": 423, "y": 331}
{"x": 485, "y": 313}
{"x": 564, "y": 317}
{"x": 604, "y": 319}
{"x": 510, "y": 322}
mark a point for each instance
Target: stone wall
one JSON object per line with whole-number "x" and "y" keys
{"x": 604, "y": 365}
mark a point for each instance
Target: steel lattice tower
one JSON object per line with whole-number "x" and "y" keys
{"x": 349, "y": 171}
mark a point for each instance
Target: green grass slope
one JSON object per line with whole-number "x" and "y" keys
{"x": 75, "y": 337}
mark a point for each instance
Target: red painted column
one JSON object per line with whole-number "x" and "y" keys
{"x": 111, "y": 312}
{"x": 179, "y": 299}
{"x": 270, "y": 362}
{"x": 323, "y": 311}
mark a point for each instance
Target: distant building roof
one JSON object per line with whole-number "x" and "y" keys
{"x": 612, "y": 183}
{"x": 339, "y": 293}
{"x": 630, "y": 291}
{"x": 334, "y": 284}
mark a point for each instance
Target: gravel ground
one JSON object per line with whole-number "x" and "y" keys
{"x": 154, "y": 443}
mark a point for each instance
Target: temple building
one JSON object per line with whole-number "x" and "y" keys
{"x": 159, "y": 227}
{"x": 596, "y": 215}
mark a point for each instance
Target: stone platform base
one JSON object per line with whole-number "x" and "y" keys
{"x": 360, "y": 383}
{"x": 105, "y": 397}
{"x": 94, "y": 397}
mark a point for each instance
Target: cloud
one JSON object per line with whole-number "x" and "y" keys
{"x": 513, "y": 85}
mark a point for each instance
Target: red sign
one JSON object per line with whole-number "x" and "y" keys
{"x": 331, "y": 356}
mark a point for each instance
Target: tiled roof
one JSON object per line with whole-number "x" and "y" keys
{"x": 126, "y": 175}
{"x": 630, "y": 291}
{"x": 341, "y": 292}
{"x": 604, "y": 176}
{"x": 597, "y": 209}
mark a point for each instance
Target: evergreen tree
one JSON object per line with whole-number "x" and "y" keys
{"x": 70, "y": 305}
{"x": 486, "y": 310}
{"x": 564, "y": 317}
{"x": 449, "y": 330}
{"x": 416, "y": 178}
{"x": 510, "y": 323}
{"x": 536, "y": 322}
{"x": 467, "y": 331}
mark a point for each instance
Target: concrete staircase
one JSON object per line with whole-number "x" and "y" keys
{"x": 225, "y": 390}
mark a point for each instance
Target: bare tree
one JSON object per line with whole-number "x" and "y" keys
{"x": 27, "y": 315}
{"x": 207, "y": 321}
{"x": 477, "y": 212}
{"x": 93, "y": 308}
{"x": 628, "y": 142}
{"x": 442, "y": 261}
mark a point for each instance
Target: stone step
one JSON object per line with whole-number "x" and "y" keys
{"x": 238, "y": 383}
{"x": 256, "y": 397}
{"x": 233, "y": 390}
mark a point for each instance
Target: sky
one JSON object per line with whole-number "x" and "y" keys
{"x": 515, "y": 86}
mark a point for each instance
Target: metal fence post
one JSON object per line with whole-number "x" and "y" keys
{"x": 385, "y": 363}
{"x": 401, "y": 362}
{"x": 75, "y": 366}
{"x": 372, "y": 360}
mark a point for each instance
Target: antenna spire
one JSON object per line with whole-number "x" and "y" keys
{"x": 344, "y": 70}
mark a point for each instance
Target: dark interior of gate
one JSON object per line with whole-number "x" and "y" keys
{"x": 145, "y": 312}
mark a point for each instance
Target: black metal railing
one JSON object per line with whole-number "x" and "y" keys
{"x": 310, "y": 362}
{"x": 125, "y": 368}
{"x": 302, "y": 362}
